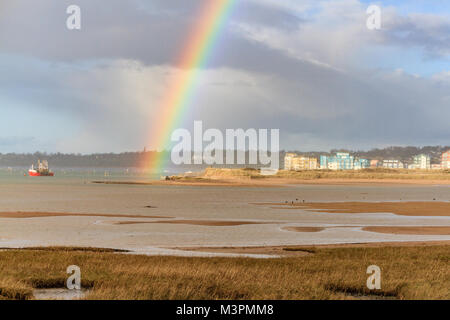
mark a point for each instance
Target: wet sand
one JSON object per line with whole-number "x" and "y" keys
{"x": 146, "y": 219}
{"x": 200, "y": 183}
{"x": 304, "y": 229}
{"x": 277, "y": 182}
{"x": 410, "y": 230}
{"x": 413, "y": 208}
{"x": 24, "y": 215}
{"x": 196, "y": 222}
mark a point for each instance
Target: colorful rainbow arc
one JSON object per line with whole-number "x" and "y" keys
{"x": 196, "y": 54}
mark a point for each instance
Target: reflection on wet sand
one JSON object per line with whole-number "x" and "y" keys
{"x": 412, "y": 208}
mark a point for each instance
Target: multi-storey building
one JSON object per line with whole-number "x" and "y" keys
{"x": 445, "y": 160}
{"x": 288, "y": 161}
{"x": 393, "y": 164}
{"x": 292, "y": 161}
{"x": 342, "y": 161}
{"x": 422, "y": 161}
{"x": 374, "y": 163}
{"x": 361, "y": 164}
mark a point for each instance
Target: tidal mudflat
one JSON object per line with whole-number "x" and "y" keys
{"x": 153, "y": 219}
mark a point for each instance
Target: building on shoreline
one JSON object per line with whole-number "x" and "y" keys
{"x": 422, "y": 161}
{"x": 445, "y": 160}
{"x": 343, "y": 161}
{"x": 293, "y": 161}
{"x": 393, "y": 164}
{"x": 361, "y": 164}
{"x": 346, "y": 161}
{"x": 375, "y": 163}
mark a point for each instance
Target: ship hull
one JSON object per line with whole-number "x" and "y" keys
{"x": 34, "y": 173}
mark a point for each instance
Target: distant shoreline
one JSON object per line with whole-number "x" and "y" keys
{"x": 252, "y": 177}
{"x": 278, "y": 182}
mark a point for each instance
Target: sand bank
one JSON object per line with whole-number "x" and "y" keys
{"x": 197, "y": 183}
{"x": 213, "y": 223}
{"x": 410, "y": 230}
{"x": 413, "y": 208}
{"x": 304, "y": 229}
{"x": 277, "y": 182}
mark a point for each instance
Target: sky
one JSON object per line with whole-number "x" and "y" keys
{"x": 310, "y": 68}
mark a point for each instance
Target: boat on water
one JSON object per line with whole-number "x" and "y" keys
{"x": 41, "y": 170}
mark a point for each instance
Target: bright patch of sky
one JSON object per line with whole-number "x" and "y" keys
{"x": 413, "y": 60}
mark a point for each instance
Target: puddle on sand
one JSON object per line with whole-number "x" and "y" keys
{"x": 59, "y": 294}
{"x": 370, "y": 297}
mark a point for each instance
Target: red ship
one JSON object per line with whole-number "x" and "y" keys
{"x": 41, "y": 170}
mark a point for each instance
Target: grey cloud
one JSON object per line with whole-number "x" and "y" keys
{"x": 89, "y": 76}
{"x": 153, "y": 32}
{"x": 431, "y": 33}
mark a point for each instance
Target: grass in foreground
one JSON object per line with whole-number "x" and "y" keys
{"x": 329, "y": 273}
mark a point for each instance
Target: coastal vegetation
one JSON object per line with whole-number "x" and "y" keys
{"x": 144, "y": 158}
{"x": 368, "y": 174}
{"x": 407, "y": 272}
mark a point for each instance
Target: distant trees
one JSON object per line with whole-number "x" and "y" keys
{"x": 141, "y": 159}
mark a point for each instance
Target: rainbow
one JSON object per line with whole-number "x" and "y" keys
{"x": 195, "y": 55}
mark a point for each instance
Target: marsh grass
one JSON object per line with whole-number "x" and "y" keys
{"x": 327, "y": 273}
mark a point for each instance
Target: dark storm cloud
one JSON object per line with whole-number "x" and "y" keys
{"x": 152, "y": 32}
{"x": 110, "y": 75}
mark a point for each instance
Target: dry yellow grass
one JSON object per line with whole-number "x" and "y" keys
{"x": 375, "y": 174}
{"x": 329, "y": 273}
{"x": 249, "y": 177}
